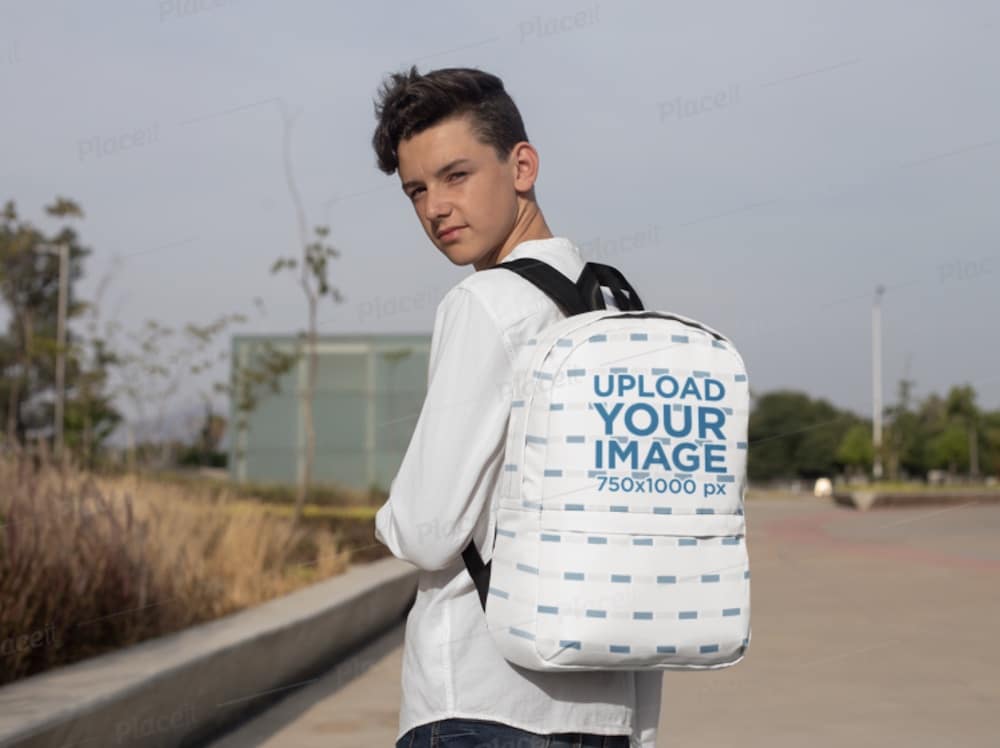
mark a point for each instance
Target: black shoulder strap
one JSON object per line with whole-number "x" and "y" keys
{"x": 550, "y": 281}
{"x": 479, "y": 571}
{"x": 572, "y": 298}
{"x": 583, "y": 296}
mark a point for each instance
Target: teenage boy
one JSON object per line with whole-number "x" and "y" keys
{"x": 465, "y": 164}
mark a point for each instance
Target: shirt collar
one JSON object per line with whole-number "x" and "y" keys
{"x": 536, "y": 247}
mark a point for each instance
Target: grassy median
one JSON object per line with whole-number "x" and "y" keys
{"x": 91, "y": 564}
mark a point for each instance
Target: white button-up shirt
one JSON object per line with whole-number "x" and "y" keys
{"x": 443, "y": 495}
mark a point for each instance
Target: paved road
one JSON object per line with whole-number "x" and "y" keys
{"x": 869, "y": 629}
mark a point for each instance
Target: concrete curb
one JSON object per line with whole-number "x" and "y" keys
{"x": 865, "y": 500}
{"x": 185, "y": 688}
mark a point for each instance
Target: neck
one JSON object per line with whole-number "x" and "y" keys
{"x": 530, "y": 225}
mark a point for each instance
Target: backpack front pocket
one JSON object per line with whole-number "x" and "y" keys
{"x": 669, "y": 592}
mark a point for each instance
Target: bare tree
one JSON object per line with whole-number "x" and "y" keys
{"x": 313, "y": 280}
{"x": 155, "y": 366}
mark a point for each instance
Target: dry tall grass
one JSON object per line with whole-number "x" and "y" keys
{"x": 90, "y": 564}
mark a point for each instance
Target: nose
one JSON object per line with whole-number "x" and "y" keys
{"x": 436, "y": 206}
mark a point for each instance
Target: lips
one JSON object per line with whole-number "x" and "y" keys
{"x": 449, "y": 233}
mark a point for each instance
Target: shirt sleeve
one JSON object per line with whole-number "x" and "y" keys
{"x": 450, "y": 468}
{"x": 648, "y": 696}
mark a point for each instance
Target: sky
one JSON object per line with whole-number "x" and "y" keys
{"x": 761, "y": 167}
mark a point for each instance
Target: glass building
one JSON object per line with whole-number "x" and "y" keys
{"x": 369, "y": 391}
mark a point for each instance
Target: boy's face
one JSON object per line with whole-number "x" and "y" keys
{"x": 454, "y": 180}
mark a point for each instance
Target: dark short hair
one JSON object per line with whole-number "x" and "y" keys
{"x": 409, "y": 103}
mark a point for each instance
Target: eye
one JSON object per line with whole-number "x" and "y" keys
{"x": 413, "y": 193}
{"x": 456, "y": 174}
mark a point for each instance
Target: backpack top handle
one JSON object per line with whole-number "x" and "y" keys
{"x": 583, "y": 296}
{"x": 595, "y": 275}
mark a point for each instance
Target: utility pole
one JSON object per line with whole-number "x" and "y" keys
{"x": 877, "y": 381}
{"x": 61, "y": 249}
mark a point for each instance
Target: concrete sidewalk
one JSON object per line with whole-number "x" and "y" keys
{"x": 355, "y": 704}
{"x": 869, "y": 629}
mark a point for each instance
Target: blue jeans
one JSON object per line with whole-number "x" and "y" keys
{"x": 477, "y": 733}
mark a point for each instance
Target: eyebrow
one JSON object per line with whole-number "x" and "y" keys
{"x": 447, "y": 167}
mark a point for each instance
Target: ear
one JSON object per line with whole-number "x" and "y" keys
{"x": 524, "y": 162}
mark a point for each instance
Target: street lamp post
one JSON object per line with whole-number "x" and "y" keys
{"x": 877, "y": 381}
{"x": 61, "y": 249}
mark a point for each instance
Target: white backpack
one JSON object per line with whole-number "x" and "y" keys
{"x": 620, "y": 530}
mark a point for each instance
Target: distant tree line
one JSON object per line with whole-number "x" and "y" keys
{"x": 793, "y": 435}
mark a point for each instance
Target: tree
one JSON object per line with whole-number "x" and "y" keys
{"x": 29, "y": 284}
{"x": 949, "y": 449}
{"x": 991, "y": 437}
{"x": 856, "y": 451}
{"x": 903, "y": 438}
{"x": 204, "y": 449}
{"x": 792, "y": 435}
{"x": 816, "y": 451}
{"x": 266, "y": 364}
{"x": 954, "y": 432}
{"x": 90, "y": 414}
{"x": 960, "y": 405}
{"x": 313, "y": 280}
{"x": 158, "y": 362}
